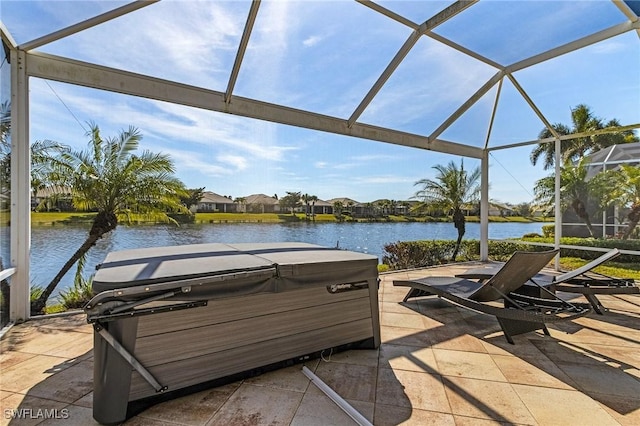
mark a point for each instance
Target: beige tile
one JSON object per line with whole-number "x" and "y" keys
{"x": 542, "y": 373}
{"x": 195, "y": 409}
{"x": 461, "y": 342}
{"x": 72, "y": 322}
{"x": 141, "y": 421}
{"x": 68, "y": 385}
{"x": 8, "y": 359}
{"x": 289, "y": 378}
{"x": 485, "y": 399}
{"x": 317, "y": 409}
{"x": 39, "y": 340}
{"x": 409, "y": 358}
{"x": 387, "y": 415}
{"x": 474, "y": 421}
{"x": 617, "y": 356}
{"x": 353, "y": 382}
{"x": 72, "y": 415}
{"x": 560, "y": 406}
{"x": 367, "y": 357}
{"x": 399, "y": 308}
{"x": 411, "y": 389}
{"x": 467, "y": 364}
{"x": 256, "y": 405}
{"x": 25, "y": 410}
{"x": 602, "y": 379}
{"x": 392, "y": 319}
{"x": 626, "y": 410}
{"x": 407, "y": 336}
{"x": 85, "y": 401}
{"x": 29, "y": 373}
{"x": 82, "y": 348}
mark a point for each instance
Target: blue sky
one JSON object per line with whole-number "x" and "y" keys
{"x": 323, "y": 56}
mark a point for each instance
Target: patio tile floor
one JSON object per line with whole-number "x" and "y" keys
{"x": 438, "y": 365}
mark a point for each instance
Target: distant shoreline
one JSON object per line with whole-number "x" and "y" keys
{"x": 57, "y": 218}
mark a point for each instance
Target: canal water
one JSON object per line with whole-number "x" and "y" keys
{"x": 52, "y": 246}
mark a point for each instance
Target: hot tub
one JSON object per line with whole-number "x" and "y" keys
{"x": 174, "y": 319}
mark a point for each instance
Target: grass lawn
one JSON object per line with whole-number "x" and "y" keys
{"x": 612, "y": 269}
{"x": 54, "y": 218}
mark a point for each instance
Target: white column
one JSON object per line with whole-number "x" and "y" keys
{"x": 19, "y": 308}
{"x": 557, "y": 212}
{"x": 484, "y": 206}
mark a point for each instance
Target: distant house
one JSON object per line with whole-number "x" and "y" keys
{"x": 52, "y": 199}
{"x": 500, "y": 209}
{"x": 321, "y": 207}
{"x": 212, "y": 202}
{"x": 260, "y": 203}
{"x": 348, "y": 205}
{"x": 612, "y": 221}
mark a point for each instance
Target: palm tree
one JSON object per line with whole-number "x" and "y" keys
{"x": 583, "y": 120}
{"x": 575, "y": 190}
{"x": 313, "y": 200}
{"x": 242, "y": 204}
{"x": 337, "y": 210}
{"x": 450, "y": 191}
{"x": 109, "y": 178}
{"x": 307, "y": 199}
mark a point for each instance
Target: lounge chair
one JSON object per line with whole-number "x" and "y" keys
{"x": 582, "y": 280}
{"x": 519, "y": 314}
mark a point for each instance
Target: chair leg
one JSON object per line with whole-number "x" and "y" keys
{"x": 512, "y": 327}
{"x": 595, "y": 304}
{"x": 415, "y": 292}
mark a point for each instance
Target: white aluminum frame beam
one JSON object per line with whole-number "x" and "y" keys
{"x": 568, "y": 137}
{"x": 244, "y": 41}
{"x": 67, "y": 70}
{"x": 81, "y": 26}
{"x": 605, "y": 34}
{"x": 431, "y": 23}
{"x": 19, "y": 305}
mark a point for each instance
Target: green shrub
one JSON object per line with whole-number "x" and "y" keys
{"x": 77, "y": 296}
{"x": 418, "y": 254}
{"x": 35, "y": 292}
{"x": 549, "y": 230}
{"x": 593, "y": 242}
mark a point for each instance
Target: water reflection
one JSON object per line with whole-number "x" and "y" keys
{"x": 53, "y": 245}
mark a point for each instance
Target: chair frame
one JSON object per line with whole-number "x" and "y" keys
{"x": 520, "y": 313}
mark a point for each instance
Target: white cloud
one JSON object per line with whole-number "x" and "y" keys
{"x": 311, "y": 41}
{"x": 382, "y": 179}
{"x": 237, "y": 162}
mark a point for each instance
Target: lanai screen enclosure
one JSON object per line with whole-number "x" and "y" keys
{"x": 465, "y": 78}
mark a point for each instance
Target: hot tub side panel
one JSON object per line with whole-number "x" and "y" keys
{"x": 233, "y": 335}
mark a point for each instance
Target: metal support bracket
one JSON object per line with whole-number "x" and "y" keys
{"x": 129, "y": 357}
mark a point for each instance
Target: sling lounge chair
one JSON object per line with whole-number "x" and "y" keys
{"x": 520, "y": 314}
{"x": 582, "y": 280}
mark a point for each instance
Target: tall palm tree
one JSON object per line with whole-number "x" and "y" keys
{"x": 583, "y": 120}
{"x": 306, "y": 198}
{"x": 452, "y": 188}
{"x": 109, "y": 178}
{"x": 313, "y": 199}
{"x": 575, "y": 190}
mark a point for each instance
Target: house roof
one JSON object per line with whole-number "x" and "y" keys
{"x": 344, "y": 200}
{"x": 611, "y": 157}
{"x": 260, "y": 199}
{"x": 212, "y": 197}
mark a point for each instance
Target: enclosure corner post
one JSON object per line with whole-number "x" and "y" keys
{"x": 484, "y": 206}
